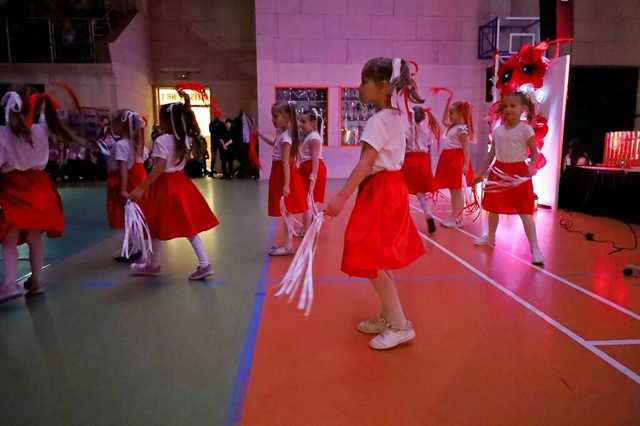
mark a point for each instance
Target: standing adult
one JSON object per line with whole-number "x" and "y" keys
{"x": 228, "y": 144}
{"x": 217, "y": 130}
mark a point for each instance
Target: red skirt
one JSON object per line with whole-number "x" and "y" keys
{"x": 321, "y": 179}
{"x": 296, "y": 202}
{"x": 417, "y": 173}
{"x": 115, "y": 202}
{"x": 173, "y": 207}
{"x": 29, "y": 201}
{"x": 380, "y": 234}
{"x": 449, "y": 170}
{"x": 517, "y": 200}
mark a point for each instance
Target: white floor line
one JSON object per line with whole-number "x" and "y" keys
{"x": 582, "y": 342}
{"x": 562, "y": 280}
{"x": 26, "y": 276}
{"x": 619, "y": 342}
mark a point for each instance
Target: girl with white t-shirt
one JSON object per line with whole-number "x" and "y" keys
{"x": 285, "y": 180}
{"x": 30, "y": 203}
{"x": 172, "y": 205}
{"x": 454, "y": 164}
{"x": 509, "y": 189}
{"x": 381, "y": 235}
{"x": 312, "y": 167}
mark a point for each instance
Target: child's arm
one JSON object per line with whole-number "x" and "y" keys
{"x": 464, "y": 140}
{"x": 315, "y": 162}
{"x": 124, "y": 176}
{"x": 159, "y": 166}
{"x": 531, "y": 143}
{"x": 483, "y": 170}
{"x": 359, "y": 173}
{"x": 445, "y": 114}
{"x": 286, "y": 151}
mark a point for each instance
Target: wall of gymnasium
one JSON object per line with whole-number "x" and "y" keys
{"x": 307, "y": 42}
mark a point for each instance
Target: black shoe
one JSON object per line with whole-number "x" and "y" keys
{"x": 431, "y": 225}
{"x": 132, "y": 258}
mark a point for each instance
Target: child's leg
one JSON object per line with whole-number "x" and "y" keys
{"x": 457, "y": 203}
{"x": 10, "y": 257}
{"x": 494, "y": 218}
{"x": 36, "y": 254}
{"x": 198, "y": 247}
{"x": 288, "y": 237}
{"x": 530, "y": 229}
{"x": 389, "y": 300}
{"x": 425, "y": 204}
{"x": 156, "y": 245}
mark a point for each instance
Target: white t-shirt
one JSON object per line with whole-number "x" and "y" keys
{"x": 18, "y": 154}
{"x": 281, "y": 138}
{"x": 452, "y": 136}
{"x": 123, "y": 150}
{"x": 419, "y": 137}
{"x": 385, "y": 131}
{"x": 511, "y": 144}
{"x": 165, "y": 147}
{"x": 306, "y": 149}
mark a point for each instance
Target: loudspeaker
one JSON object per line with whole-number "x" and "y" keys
{"x": 488, "y": 85}
{"x": 556, "y": 19}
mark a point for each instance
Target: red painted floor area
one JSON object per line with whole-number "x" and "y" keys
{"x": 498, "y": 342}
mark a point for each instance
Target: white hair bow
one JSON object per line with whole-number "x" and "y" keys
{"x": 12, "y": 102}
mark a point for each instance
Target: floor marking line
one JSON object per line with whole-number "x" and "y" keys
{"x": 562, "y": 280}
{"x": 581, "y": 341}
{"x": 614, "y": 342}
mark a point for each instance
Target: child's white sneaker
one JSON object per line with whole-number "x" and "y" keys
{"x": 392, "y": 337}
{"x": 485, "y": 240}
{"x": 536, "y": 257}
{"x": 452, "y": 224}
{"x": 373, "y": 326}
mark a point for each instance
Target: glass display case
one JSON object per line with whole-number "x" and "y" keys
{"x": 353, "y": 115}
{"x": 307, "y": 98}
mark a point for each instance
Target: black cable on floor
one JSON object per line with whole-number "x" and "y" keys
{"x": 567, "y": 224}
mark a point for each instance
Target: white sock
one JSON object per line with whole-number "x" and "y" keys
{"x": 198, "y": 247}
{"x": 425, "y": 204}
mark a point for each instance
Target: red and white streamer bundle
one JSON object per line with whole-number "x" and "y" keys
{"x": 292, "y": 224}
{"x": 299, "y": 276}
{"x": 137, "y": 237}
{"x": 506, "y": 181}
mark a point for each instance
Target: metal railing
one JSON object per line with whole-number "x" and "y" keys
{"x": 51, "y": 39}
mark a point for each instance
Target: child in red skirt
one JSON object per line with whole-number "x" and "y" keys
{"x": 285, "y": 177}
{"x": 312, "y": 168}
{"x": 30, "y": 203}
{"x": 417, "y": 160}
{"x": 454, "y": 163}
{"x": 172, "y": 205}
{"x": 513, "y": 140}
{"x": 381, "y": 235}
{"x": 126, "y": 170}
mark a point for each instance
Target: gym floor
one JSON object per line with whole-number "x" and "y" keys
{"x": 499, "y": 341}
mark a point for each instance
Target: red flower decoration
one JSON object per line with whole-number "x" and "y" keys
{"x": 541, "y": 127}
{"x": 509, "y": 76}
{"x": 532, "y": 64}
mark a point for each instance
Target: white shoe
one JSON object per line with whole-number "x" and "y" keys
{"x": 392, "y": 337}
{"x": 536, "y": 257}
{"x": 484, "y": 240}
{"x": 373, "y": 326}
{"x": 452, "y": 224}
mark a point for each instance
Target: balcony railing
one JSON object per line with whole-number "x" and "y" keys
{"x": 51, "y": 39}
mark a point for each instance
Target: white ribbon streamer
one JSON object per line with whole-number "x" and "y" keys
{"x": 300, "y": 272}
{"x": 12, "y": 102}
{"x": 173, "y": 123}
{"x": 137, "y": 237}
{"x": 289, "y": 220}
{"x": 506, "y": 181}
{"x": 321, "y": 129}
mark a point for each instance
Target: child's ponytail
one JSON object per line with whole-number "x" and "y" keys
{"x": 466, "y": 115}
{"x": 405, "y": 81}
{"x": 295, "y": 134}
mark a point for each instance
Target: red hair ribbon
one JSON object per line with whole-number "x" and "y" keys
{"x": 416, "y": 68}
{"x": 71, "y": 93}
{"x": 436, "y": 90}
{"x": 196, "y": 87}
{"x": 33, "y": 100}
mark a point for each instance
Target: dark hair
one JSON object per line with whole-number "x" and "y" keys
{"x": 525, "y": 100}
{"x": 316, "y": 118}
{"x": 179, "y": 119}
{"x": 287, "y": 108}
{"x": 381, "y": 69}
{"x": 32, "y": 104}
{"x": 577, "y": 151}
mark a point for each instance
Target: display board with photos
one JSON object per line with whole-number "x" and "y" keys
{"x": 307, "y": 98}
{"x": 353, "y": 115}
